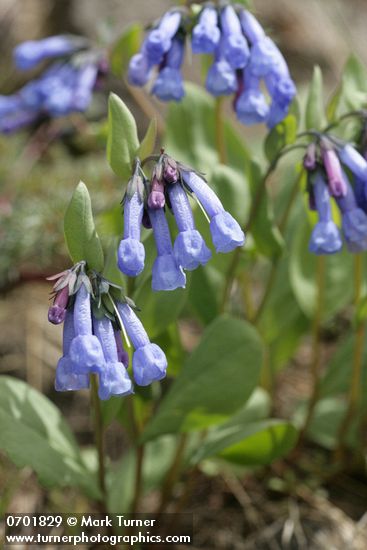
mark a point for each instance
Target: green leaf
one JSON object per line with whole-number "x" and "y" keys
{"x": 281, "y": 135}
{"x": 203, "y": 293}
{"x": 34, "y": 433}
{"x": 352, "y": 92}
{"x": 303, "y": 274}
{"x": 147, "y": 145}
{"x": 159, "y": 309}
{"x": 215, "y": 382}
{"x": 266, "y": 234}
{"x": 256, "y": 444}
{"x": 125, "y": 47}
{"x": 315, "y": 116}
{"x": 122, "y": 142}
{"x": 80, "y": 233}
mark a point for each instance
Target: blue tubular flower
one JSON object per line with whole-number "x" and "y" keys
{"x": 325, "y": 237}
{"x": 159, "y": 40}
{"x": 234, "y": 44}
{"x": 354, "y": 160}
{"x": 28, "y": 54}
{"x": 251, "y": 27}
{"x": 85, "y": 349}
{"x": 168, "y": 85}
{"x": 16, "y": 121}
{"x": 9, "y": 104}
{"x": 139, "y": 69}
{"x": 221, "y": 78}
{"x": 67, "y": 379}
{"x": 166, "y": 274}
{"x": 354, "y": 221}
{"x": 85, "y": 81}
{"x": 206, "y": 34}
{"x": 149, "y": 361}
{"x": 226, "y": 232}
{"x": 251, "y": 106}
{"x": 113, "y": 377}
{"x": 189, "y": 249}
{"x": 282, "y": 91}
{"x": 360, "y": 193}
{"x": 131, "y": 252}
{"x": 265, "y": 56}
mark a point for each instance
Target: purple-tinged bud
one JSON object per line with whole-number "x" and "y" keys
{"x": 149, "y": 361}
{"x": 28, "y": 54}
{"x": 354, "y": 161}
{"x": 189, "y": 249}
{"x": 206, "y": 34}
{"x": 113, "y": 378}
{"x": 131, "y": 252}
{"x": 170, "y": 173}
{"x": 309, "y": 160}
{"x": 354, "y": 220}
{"x": 234, "y": 45}
{"x": 166, "y": 274}
{"x": 337, "y": 184}
{"x": 325, "y": 237}
{"x": 57, "y": 312}
{"x": 251, "y": 27}
{"x": 156, "y": 199}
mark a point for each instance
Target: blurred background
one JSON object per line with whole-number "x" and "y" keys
{"x": 36, "y": 182}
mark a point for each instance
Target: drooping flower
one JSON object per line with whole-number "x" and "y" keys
{"x": 169, "y": 85}
{"x": 149, "y": 361}
{"x": 325, "y": 237}
{"x": 64, "y": 87}
{"x": 239, "y": 45}
{"x": 354, "y": 220}
{"x": 206, "y": 33}
{"x": 172, "y": 182}
{"x": 92, "y": 341}
{"x": 225, "y": 230}
{"x": 131, "y": 252}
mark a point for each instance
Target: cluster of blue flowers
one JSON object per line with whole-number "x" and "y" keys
{"x": 243, "y": 57}
{"x": 64, "y": 87}
{"x": 92, "y": 344}
{"x": 145, "y": 202}
{"x": 326, "y": 162}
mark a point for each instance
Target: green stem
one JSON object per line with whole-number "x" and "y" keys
{"x": 355, "y": 386}
{"x": 172, "y": 474}
{"x": 99, "y": 438}
{"x": 138, "y": 482}
{"x": 275, "y": 264}
{"x": 220, "y": 141}
{"x": 316, "y": 345}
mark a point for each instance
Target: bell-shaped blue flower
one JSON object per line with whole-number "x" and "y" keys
{"x": 206, "y": 34}
{"x": 85, "y": 349}
{"x": 67, "y": 379}
{"x": 251, "y": 27}
{"x": 149, "y": 361}
{"x": 28, "y": 54}
{"x": 140, "y": 69}
{"x": 251, "y": 105}
{"x": 234, "y": 45}
{"x": 325, "y": 237}
{"x": 168, "y": 85}
{"x": 265, "y": 56}
{"x": 189, "y": 248}
{"x": 113, "y": 377}
{"x": 354, "y": 161}
{"x": 131, "y": 252}
{"x": 221, "y": 78}
{"x": 159, "y": 40}
{"x": 226, "y": 232}
{"x": 354, "y": 221}
{"x": 166, "y": 274}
